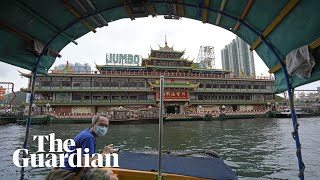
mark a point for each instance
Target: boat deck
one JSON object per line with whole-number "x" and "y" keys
{"x": 199, "y": 167}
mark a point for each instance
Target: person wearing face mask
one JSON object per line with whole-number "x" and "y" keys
{"x": 86, "y": 139}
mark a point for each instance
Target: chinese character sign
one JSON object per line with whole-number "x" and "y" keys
{"x": 174, "y": 95}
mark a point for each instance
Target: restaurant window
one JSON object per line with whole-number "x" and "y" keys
{"x": 213, "y": 97}
{"x": 87, "y": 97}
{"x": 62, "y": 96}
{"x": 124, "y": 97}
{"x": 268, "y": 97}
{"x": 141, "y": 84}
{"x": 133, "y": 97}
{"x": 142, "y": 97}
{"x": 86, "y": 84}
{"x": 45, "y": 83}
{"x": 192, "y": 97}
{"x": 96, "y": 98}
{"x": 76, "y": 84}
{"x": 56, "y": 83}
{"x": 105, "y": 97}
{"x": 105, "y": 83}
{"x": 200, "y": 97}
{"x": 115, "y": 98}
{"x": 208, "y": 85}
{"x": 262, "y": 86}
{"x": 269, "y": 87}
{"x": 95, "y": 83}
{"x": 76, "y": 96}
{"x": 124, "y": 83}
{"x": 48, "y": 96}
{"x": 133, "y": 84}
{"x": 66, "y": 83}
{"x": 114, "y": 83}
{"x": 207, "y": 97}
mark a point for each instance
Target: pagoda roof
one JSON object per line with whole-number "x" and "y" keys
{"x": 165, "y": 51}
{"x": 26, "y": 74}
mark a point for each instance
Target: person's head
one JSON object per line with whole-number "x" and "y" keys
{"x": 100, "y": 124}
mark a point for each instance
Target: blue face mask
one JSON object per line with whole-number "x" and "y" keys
{"x": 101, "y": 130}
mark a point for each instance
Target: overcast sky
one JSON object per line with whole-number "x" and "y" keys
{"x": 136, "y": 37}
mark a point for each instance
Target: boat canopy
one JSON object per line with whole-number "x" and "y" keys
{"x": 272, "y": 28}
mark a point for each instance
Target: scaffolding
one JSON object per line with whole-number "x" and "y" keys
{"x": 7, "y": 95}
{"x": 206, "y": 57}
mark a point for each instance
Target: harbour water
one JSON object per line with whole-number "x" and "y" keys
{"x": 253, "y": 148}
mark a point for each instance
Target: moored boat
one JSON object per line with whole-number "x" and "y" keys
{"x": 286, "y": 113}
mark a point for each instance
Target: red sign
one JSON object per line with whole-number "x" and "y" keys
{"x": 174, "y": 95}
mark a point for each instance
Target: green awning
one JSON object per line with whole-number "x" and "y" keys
{"x": 285, "y": 24}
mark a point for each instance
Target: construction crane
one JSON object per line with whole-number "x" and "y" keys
{"x": 206, "y": 57}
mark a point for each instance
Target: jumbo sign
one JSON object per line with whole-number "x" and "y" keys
{"x": 123, "y": 59}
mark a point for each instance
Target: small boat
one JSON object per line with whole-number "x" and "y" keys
{"x": 286, "y": 113}
{"x": 188, "y": 165}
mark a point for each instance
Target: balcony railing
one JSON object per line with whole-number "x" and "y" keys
{"x": 224, "y": 101}
{"x": 234, "y": 90}
{"x": 94, "y": 102}
{"x": 172, "y": 74}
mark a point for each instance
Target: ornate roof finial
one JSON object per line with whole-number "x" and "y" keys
{"x": 165, "y": 38}
{"x": 166, "y": 47}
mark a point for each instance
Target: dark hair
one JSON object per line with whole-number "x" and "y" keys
{"x": 97, "y": 117}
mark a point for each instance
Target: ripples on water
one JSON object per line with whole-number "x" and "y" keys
{"x": 253, "y": 148}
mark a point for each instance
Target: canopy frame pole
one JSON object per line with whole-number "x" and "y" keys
{"x": 295, "y": 133}
{"x": 25, "y": 143}
{"x": 160, "y": 127}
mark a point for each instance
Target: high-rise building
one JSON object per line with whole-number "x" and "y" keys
{"x": 206, "y": 57}
{"x": 77, "y": 67}
{"x": 238, "y": 58}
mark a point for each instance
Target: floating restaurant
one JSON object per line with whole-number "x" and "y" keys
{"x": 188, "y": 88}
